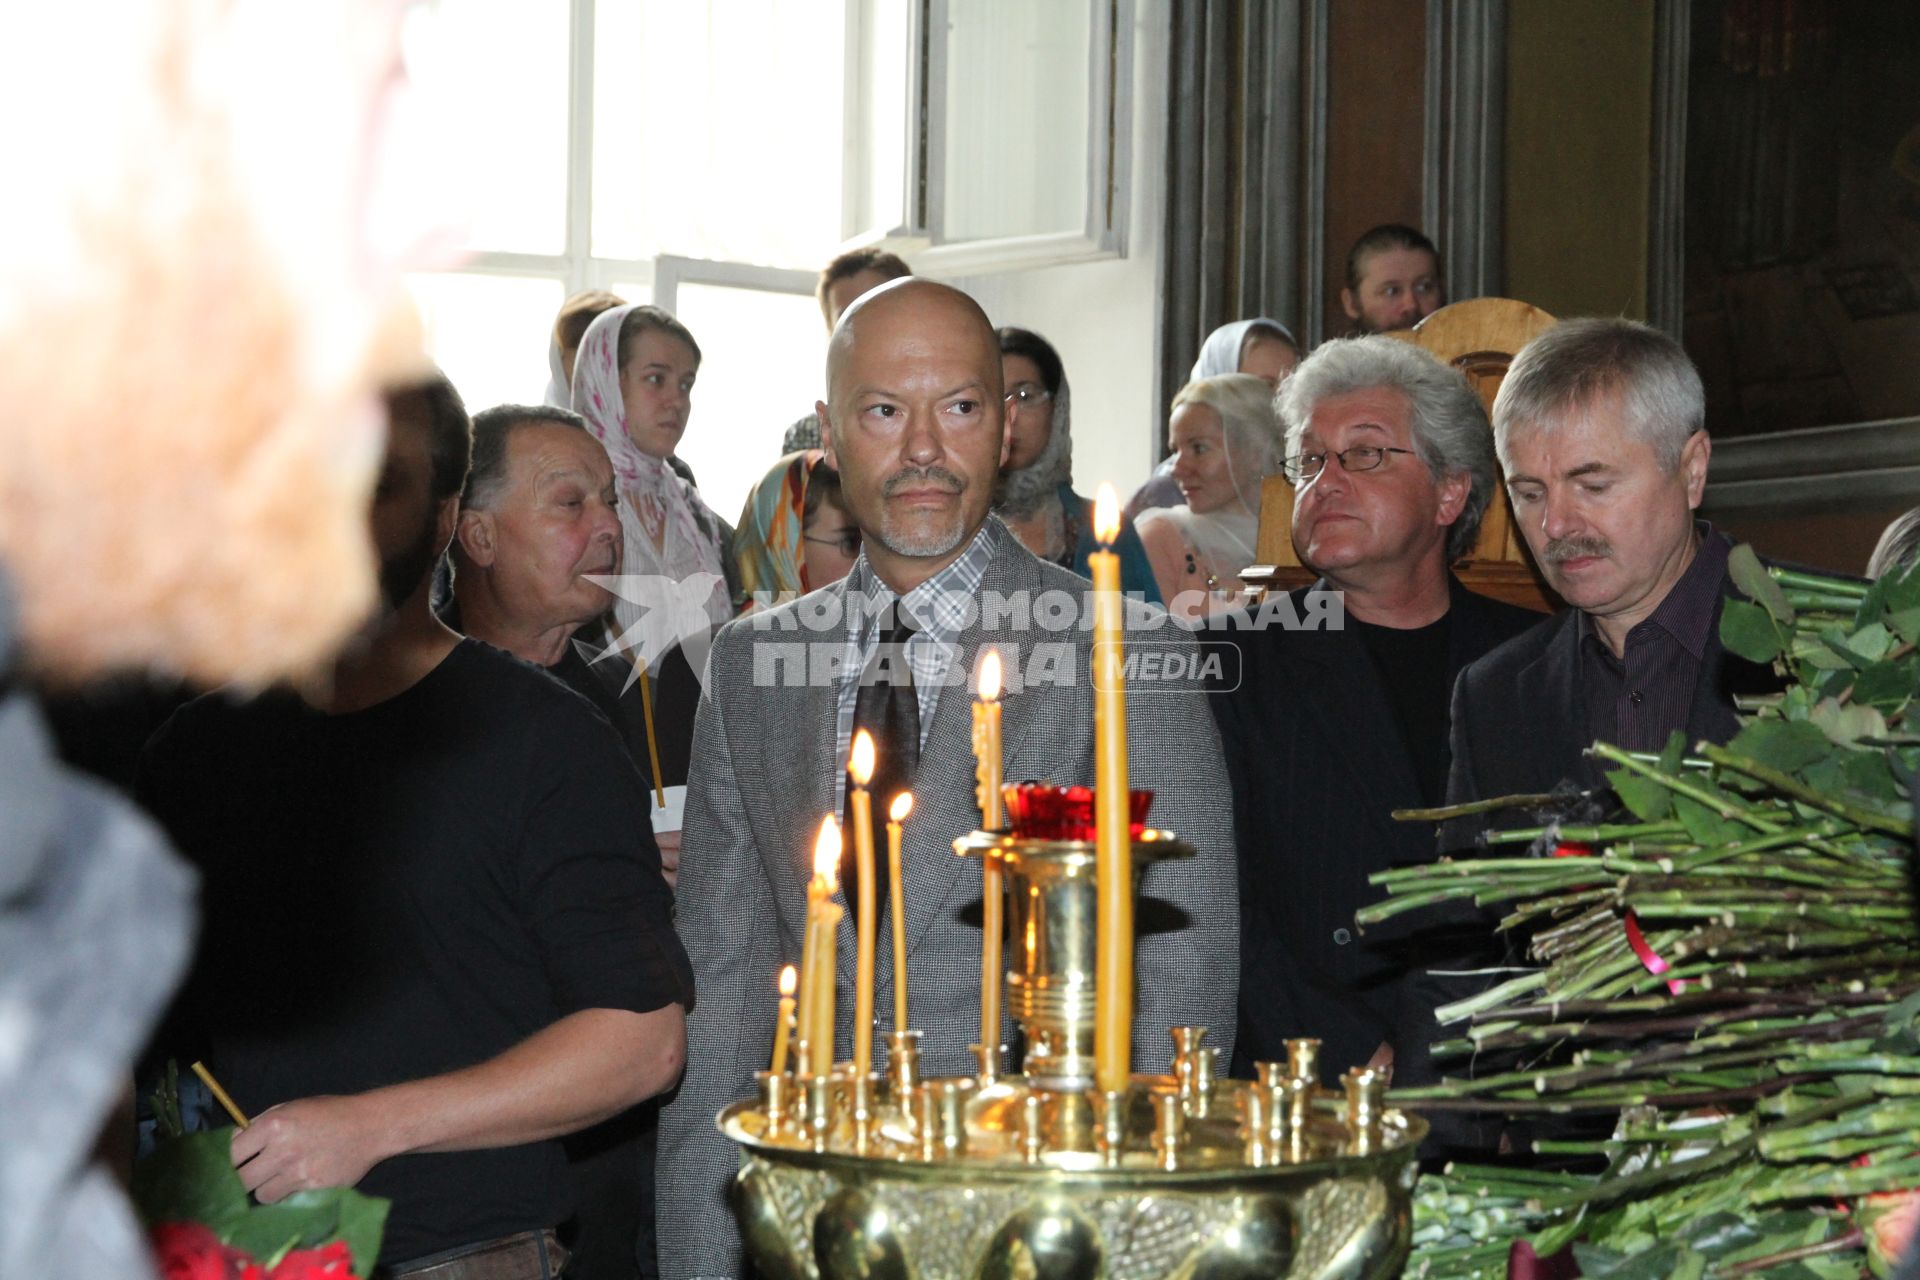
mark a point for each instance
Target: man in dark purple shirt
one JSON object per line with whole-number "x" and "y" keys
{"x": 1600, "y": 426}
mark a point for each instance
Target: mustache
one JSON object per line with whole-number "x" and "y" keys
{"x": 920, "y": 478}
{"x": 1561, "y": 550}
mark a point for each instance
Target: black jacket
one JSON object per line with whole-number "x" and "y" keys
{"x": 1520, "y": 723}
{"x": 1317, "y": 763}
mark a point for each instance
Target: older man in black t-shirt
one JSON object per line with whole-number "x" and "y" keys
{"x": 437, "y": 936}
{"x": 539, "y": 527}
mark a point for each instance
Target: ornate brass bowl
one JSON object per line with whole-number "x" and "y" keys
{"x": 1305, "y": 1205}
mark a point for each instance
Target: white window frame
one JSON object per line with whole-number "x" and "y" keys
{"x": 671, "y": 271}
{"x": 922, "y": 237}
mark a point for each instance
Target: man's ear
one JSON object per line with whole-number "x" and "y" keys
{"x": 1350, "y": 304}
{"x": 475, "y": 532}
{"x": 1453, "y": 493}
{"x": 826, "y": 431}
{"x": 1694, "y": 455}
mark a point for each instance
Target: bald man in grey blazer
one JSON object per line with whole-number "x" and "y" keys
{"x": 917, "y": 428}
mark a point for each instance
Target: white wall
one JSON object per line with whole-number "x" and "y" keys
{"x": 1104, "y": 317}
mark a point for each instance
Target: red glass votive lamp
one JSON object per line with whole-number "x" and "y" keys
{"x": 1041, "y": 811}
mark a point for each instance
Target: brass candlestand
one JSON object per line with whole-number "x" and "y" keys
{"x": 1039, "y": 1174}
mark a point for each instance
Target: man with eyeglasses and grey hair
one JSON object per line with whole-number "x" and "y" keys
{"x": 1333, "y": 728}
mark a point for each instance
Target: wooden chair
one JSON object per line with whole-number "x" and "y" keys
{"x": 1478, "y": 337}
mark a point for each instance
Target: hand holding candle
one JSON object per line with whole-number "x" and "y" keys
{"x": 1113, "y": 841}
{"x": 867, "y": 912}
{"x": 897, "y": 894}
{"x": 782, "y": 1026}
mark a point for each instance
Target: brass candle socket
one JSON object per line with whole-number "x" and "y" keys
{"x": 1366, "y": 1099}
{"x": 1052, "y": 910}
{"x": 1169, "y": 1129}
{"x": 1303, "y": 1060}
{"x": 820, "y": 1111}
{"x": 903, "y": 1062}
{"x": 773, "y": 1098}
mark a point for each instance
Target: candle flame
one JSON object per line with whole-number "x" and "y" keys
{"x": 826, "y": 850}
{"x": 789, "y": 979}
{"x": 990, "y": 675}
{"x": 1106, "y": 515}
{"x": 902, "y": 806}
{"x": 860, "y": 760}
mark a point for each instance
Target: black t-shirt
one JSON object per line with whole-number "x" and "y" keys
{"x": 1413, "y": 665}
{"x": 411, "y": 889}
{"x": 676, "y": 698}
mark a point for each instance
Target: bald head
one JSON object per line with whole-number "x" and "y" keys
{"x": 916, "y": 423}
{"x": 916, "y": 305}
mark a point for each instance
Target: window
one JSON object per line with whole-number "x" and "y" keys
{"x": 710, "y": 155}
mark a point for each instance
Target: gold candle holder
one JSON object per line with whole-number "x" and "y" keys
{"x": 986, "y": 1173}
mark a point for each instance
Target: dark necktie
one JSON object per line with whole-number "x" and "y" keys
{"x": 888, "y": 708}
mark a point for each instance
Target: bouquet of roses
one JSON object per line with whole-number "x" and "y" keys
{"x": 204, "y": 1226}
{"x": 1725, "y": 977}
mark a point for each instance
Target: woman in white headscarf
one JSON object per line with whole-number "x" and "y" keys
{"x": 1226, "y": 439}
{"x": 1260, "y": 347}
{"x": 633, "y": 382}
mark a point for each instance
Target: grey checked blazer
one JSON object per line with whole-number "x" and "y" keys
{"x": 763, "y": 777}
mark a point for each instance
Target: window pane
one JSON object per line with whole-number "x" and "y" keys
{"x": 639, "y": 294}
{"x": 489, "y": 333}
{"x": 717, "y": 129}
{"x": 492, "y": 77}
{"x": 880, "y": 119}
{"x": 763, "y": 365}
{"x": 1016, "y": 128}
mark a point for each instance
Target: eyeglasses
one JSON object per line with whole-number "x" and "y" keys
{"x": 1302, "y": 467}
{"x": 1026, "y": 393}
{"x": 848, "y": 542}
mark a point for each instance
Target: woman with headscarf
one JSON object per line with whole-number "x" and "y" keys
{"x": 1035, "y": 497}
{"x": 1226, "y": 439}
{"x": 633, "y": 382}
{"x": 1264, "y": 348}
{"x": 795, "y": 535}
{"x": 569, "y": 330}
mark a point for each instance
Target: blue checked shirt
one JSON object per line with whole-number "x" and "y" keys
{"x": 938, "y": 609}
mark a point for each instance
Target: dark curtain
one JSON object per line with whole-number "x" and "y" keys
{"x": 1233, "y": 175}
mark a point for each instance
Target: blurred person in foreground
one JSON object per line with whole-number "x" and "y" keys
{"x": 213, "y": 251}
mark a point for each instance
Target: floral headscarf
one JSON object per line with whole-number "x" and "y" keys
{"x": 767, "y": 546}
{"x": 670, "y": 532}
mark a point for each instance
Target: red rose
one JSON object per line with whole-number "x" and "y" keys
{"x": 328, "y": 1262}
{"x": 190, "y": 1251}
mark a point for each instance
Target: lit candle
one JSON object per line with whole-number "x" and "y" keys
{"x": 803, "y": 1024}
{"x": 867, "y": 913}
{"x": 986, "y": 750}
{"x": 783, "y": 1025}
{"x": 824, "y": 926}
{"x": 897, "y": 895}
{"x": 1113, "y": 846}
{"x": 986, "y": 742}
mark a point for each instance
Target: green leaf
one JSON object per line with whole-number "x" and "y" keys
{"x": 1887, "y": 685}
{"x": 1706, "y": 827}
{"x": 268, "y": 1231}
{"x": 1646, "y": 799}
{"x": 1674, "y": 752}
{"x": 1747, "y": 630}
{"x": 1787, "y": 745}
{"x": 359, "y": 1220}
{"x": 1757, "y": 585}
{"x": 1871, "y": 642}
{"x": 1906, "y": 625}
{"x": 1841, "y": 643}
{"x": 190, "y": 1179}
{"x": 1847, "y": 725}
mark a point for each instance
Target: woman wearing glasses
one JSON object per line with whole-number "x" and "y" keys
{"x": 1226, "y": 440}
{"x": 794, "y": 534}
{"x": 1035, "y": 496}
